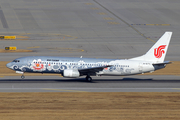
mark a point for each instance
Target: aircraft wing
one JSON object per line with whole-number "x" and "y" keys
{"x": 93, "y": 69}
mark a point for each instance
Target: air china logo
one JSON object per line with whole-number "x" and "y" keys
{"x": 38, "y": 65}
{"x": 159, "y": 51}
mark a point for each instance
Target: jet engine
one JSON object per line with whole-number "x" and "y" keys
{"x": 71, "y": 73}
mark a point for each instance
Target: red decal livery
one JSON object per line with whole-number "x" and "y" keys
{"x": 105, "y": 68}
{"x": 38, "y": 66}
{"x": 159, "y": 51}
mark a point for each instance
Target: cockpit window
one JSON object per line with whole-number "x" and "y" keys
{"x": 16, "y": 60}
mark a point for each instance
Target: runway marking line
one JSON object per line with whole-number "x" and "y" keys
{"x": 176, "y": 88}
{"x": 63, "y": 90}
{"x": 89, "y": 3}
{"x": 108, "y": 18}
{"x": 102, "y": 13}
{"x": 153, "y": 24}
{"x": 113, "y": 23}
{"x": 130, "y": 25}
{"x": 151, "y": 40}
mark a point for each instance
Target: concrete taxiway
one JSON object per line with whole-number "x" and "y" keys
{"x": 142, "y": 83}
{"x": 89, "y": 28}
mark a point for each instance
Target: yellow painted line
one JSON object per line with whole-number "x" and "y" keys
{"x": 165, "y": 24}
{"x": 115, "y": 23}
{"x": 130, "y": 25}
{"x": 176, "y": 88}
{"x": 153, "y": 24}
{"x": 149, "y": 24}
{"x": 81, "y": 50}
{"x": 102, "y": 13}
{"x": 72, "y": 37}
{"x": 162, "y": 24}
{"x": 59, "y": 36}
{"x": 108, "y": 18}
{"x": 88, "y": 3}
{"x": 151, "y": 40}
{"x": 63, "y": 90}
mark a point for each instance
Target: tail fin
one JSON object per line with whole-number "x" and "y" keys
{"x": 158, "y": 51}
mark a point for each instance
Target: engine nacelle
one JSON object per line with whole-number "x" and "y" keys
{"x": 71, "y": 73}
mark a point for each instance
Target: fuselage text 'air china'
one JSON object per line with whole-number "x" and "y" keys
{"x": 75, "y": 67}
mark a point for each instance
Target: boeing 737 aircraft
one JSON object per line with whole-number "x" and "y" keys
{"x": 75, "y": 67}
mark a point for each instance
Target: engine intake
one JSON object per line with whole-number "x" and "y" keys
{"x": 71, "y": 73}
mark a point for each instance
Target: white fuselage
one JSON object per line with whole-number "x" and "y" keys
{"x": 49, "y": 64}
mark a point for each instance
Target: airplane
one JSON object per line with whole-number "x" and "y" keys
{"x": 72, "y": 67}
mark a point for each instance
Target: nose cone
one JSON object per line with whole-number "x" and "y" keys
{"x": 9, "y": 65}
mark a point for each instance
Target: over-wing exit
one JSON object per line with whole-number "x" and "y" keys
{"x": 75, "y": 67}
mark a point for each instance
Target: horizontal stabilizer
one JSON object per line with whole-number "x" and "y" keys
{"x": 165, "y": 62}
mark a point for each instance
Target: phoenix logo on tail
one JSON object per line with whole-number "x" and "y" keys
{"x": 159, "y": 51}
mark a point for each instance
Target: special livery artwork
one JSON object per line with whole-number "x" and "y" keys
{"x": 58, "y": 66}
{"x": 74, "y": 67}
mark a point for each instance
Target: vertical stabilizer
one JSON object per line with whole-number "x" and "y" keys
{"x": 158, "y": 51}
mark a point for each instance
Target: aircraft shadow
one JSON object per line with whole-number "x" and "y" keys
{"x": 83, "y": 80}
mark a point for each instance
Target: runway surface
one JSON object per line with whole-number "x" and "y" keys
{"x": 89, "y": 28}
{"x": 145, "y": 83}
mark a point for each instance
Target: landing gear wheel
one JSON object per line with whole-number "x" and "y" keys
{"x": 22, "y": 76}
{"x": 89, "y": 79}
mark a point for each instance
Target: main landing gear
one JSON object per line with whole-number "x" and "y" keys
{"x": 88, "y": 78}
{"x": 22, "y": 76}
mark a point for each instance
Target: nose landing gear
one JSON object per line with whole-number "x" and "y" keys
{"x": 19, "y": 72}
